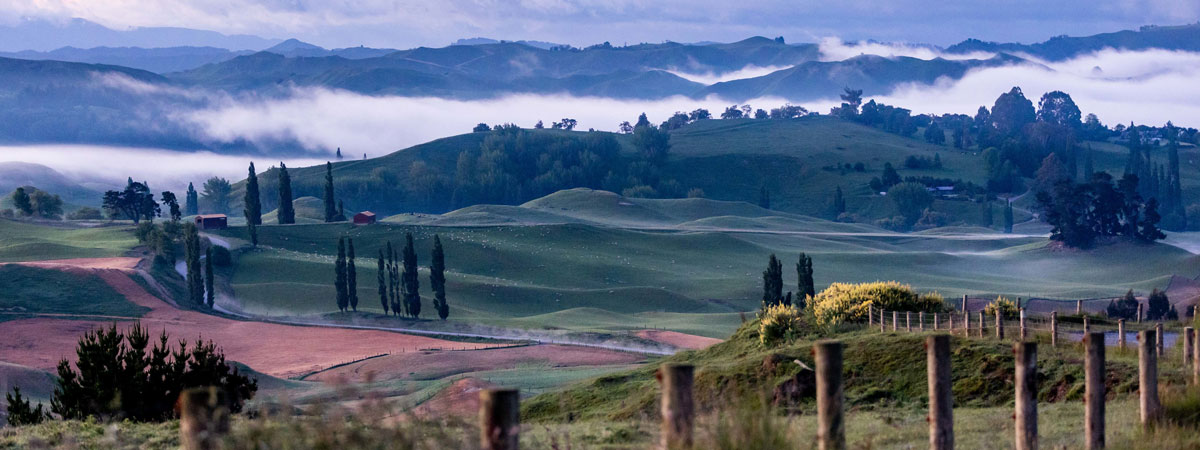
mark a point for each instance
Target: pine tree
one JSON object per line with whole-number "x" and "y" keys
{"x": 195, "y": 279}
{"x": 330, "y": 203}
{"x": 1149, "y": 222}
{"x": 839, "y": 202}
{"x": 772, "y": 282}
{"x": 191, "y": 201}
{"x": 339, "y": 269}
{"x": 411, "y": 284}
{"x": 209, "y": 293}
{"x": 21, "y": 412}
{"x": 764, "y": 198}
{"x": 287, "y": 212}
{"x": 339, "y": 153}
{"x": 1008, "y": 218}
{"x": 437, "y": 278}
{"x": 806, "y": 288}
{"x": 381, "y": 276}
{"x": 253, "y": 204}
{"x": 351, "y": 276}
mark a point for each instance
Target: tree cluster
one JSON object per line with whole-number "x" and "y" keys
{"x": 33, "y": 202}
{"x": 346, "y": 279}
{"x": 135, "y": 202}
{"x": 1079, "y": 213}
{"x": 399, "y": 285}
{"x": 120, "y": 375}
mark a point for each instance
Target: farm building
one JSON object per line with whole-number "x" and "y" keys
{"x": 364, "y": 218}
{"x": 212, "y": 221}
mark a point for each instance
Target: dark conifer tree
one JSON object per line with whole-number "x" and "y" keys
{"x": 209, "y": 293}
{"x": 1008, "y": 218}
{"x": 393, "y": 280}
{"x": 381, "y": 277}
{"x": 772, "y": 282}
{"x": 195, "y": 276}
{"x": 1157, "y": 306}
{"x": 287, "y": 212}
{"x": 1124, "y": 308}
{"x": 330, "y": 203}
{"x": 253, "y": 230}
{"x": 1149, "y": 231}
{"x": 191, "y": 201}
{"x": 351, "y": 276}
{"x": 252, "y": 201}
{"x": 339, "y": 269}
{"x": 411, "y": 284}
{"x": 437, "y": 278}
{"x": 806, "y": 287}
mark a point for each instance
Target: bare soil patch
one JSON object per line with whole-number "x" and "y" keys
{"x": 677, "y": 339}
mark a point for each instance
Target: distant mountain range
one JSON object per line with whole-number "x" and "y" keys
{"x": 44, "y": 35}
{"x": 72, "y": 94}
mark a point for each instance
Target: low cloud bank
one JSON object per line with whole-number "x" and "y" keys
{"x": 834, "y": 49}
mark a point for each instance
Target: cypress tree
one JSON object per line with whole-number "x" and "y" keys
{"x": 381, "y": 277}
{"x": 287, "y": 212}
{"x": 437, "y": 278}
{"x": 804, "y": 273}
{"x": 986, "y": 214}
{"x": 253, "y": 230}
{"x": 1008, "y": 218}
{"x": 330, "y": 203}
{"x": 191, "y": 201}
{"x": 351, "y": 276}
{"x": 195, "y": 279}
{"x": 839, "y": 202}
{"x": 772, "y": 282}
{"x": 209, "y": 293}
{"x": 393, "y": 279}
{"x": 253, "y": 204}
{"x": 411, "y": 284}
{"x": 339, "y": 269}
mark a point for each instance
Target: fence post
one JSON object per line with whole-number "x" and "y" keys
{"x": 831, "y": 426}
{"x": 499, "y": 419}
{"x": 999, "y": 324}
{"x": 881, "y": 321}
{"x": 1148, "y": 379}
{"x": 936, "y": 326}
{"x": 981, "y": 323}
{"x": 964, "y": 303}
{"x": 1139, "y": 313}
{"x": 941, "y": 398}
{"x": 1024, "y": 331}
{"x": 870, "y": 315}
{"x": 895, "y": 321}
{"x": 1026, "y": 396}
{"x": 908, "y": 321}
{"x": 921, "y": 320}
{"x": 678, "y": 410}
{"x": 1087, "y": 325}
{"x": 1054, "y": 328}
{"x": 1189, "y": 339}
{"x": 1121, "y": 334}
{"x": 1158, "y": 340}
{"x": 1094, "y": 393}
{"x": 1079, "y": 307}
{"x": 966, "y": 324}
{"x": 203, "y": 418}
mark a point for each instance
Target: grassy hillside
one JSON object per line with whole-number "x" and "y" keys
{"x": 22, "y": 241}
{"x": 35, "y": 290}
{"x": 593, "y": 261}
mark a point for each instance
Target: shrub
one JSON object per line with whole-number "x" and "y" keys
{"x": 846, "y": 302}
{"x": 779, "y": 323}
{"x": 85, "y": 213}
{"x": 21, "y": 412}
{"x": 1007, "y": 307}
{"x": 221, "y": 256}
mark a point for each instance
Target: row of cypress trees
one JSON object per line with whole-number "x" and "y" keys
{"x": 398, "y": 284}
{"x": 773, "y": 282}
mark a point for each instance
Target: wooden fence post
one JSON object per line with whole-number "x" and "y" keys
{"x": 950, "y": 322}
{"x": 1121, "y": 334}
{"x": 1158, "y": 340}
{"x": 831, "y": 426}
{"x": 999, "y": 324}
{"x": 921, "y": 320}
{"x": 1024, "y": 331}
{"x": 964, "y": 303}
{"x": 1189, "y": 339}
{"x": 1054, "y": 328}
{"x": 908, "y": 321}
{"x": 981, "y": 323}
{"x": 882, "y": 323}
{"x": 1094, "y": 391}
{"x": 678, "y": 409}
{"x": 1026, "y": 395}
{"x": 895, "y": 321}
{"x": 966, "y": 324}
{"x": 499, "y": 419}
{"x": 1078, "y": 307}
{"x": 1087, "y": 325}
{"x": 941, "y": 398}
{"x": 203, "y": 418}
{"x": 1139, "y": 313}
{"x": 936, "y": 326}
{"x": 1150, "y": 408}
{"x": 870, "y": 315}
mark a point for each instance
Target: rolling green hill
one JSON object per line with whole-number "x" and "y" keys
{"x": 21, "y": 241}
{"x": 35, "y": 290}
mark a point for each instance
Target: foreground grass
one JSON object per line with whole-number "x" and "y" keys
{"x": 34, "y": 290}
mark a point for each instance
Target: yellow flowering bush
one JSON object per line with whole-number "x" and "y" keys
{"x": 779, "y": 323}
{"x": 843, "y": 302}
{"x": 1007, "y": 307}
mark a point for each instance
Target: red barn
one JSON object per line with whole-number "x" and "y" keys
{"x": 364, "y": 218}
{"x": 212, "y": 221}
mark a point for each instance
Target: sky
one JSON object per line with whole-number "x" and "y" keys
{"x": 404, "y": 24}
